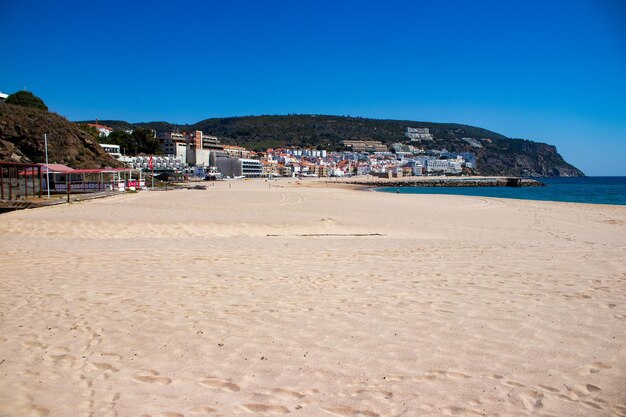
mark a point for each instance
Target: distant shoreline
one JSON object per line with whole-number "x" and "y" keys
{"x": 587, "y": 190}
{"x": 374, "y": 182}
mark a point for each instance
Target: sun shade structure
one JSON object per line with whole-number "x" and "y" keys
{"x": 63, "y": 178}
{"x": 20, "y": 181}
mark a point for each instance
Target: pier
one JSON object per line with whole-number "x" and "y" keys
{"x": 443, "y": 182}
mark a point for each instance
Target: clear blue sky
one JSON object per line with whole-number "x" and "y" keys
{"x": 551, "y": 71}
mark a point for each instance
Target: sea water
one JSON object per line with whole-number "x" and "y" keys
{"x": 594, "y": 190}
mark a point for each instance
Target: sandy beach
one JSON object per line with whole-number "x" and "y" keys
{"x": 312, "y": 300}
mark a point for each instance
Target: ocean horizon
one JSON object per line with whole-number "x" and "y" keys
{"x": 590, "y": 190}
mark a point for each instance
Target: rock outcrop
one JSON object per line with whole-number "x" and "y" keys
{"x": 22, "y": 139}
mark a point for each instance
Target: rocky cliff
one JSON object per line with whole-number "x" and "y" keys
{"x": 525, "y": 158}
{"x": 22, "y": 139}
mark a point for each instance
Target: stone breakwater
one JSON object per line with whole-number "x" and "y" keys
{"x": 448, "y": 182}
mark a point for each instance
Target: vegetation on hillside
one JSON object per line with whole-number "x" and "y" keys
{"x": 92, "y": 130}
{"x": 26, "y": 99}
{"x": 498, "y": 155}
{"x": 141, "y": 140}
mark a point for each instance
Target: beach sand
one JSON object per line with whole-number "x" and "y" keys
{"x": 314, "y": 301}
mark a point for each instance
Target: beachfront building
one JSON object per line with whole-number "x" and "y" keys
{"x": 19, "y": 181}
{"x": 239, "y": 167}
{"x": 193, "y": 148}
{"x": 362, "y": 169}
{"x": 416, "y": 167}
{"x": 62, "y": 177}
{"x": 285, "y": 170}
{"x": 366, "y": 146}
{"x": 111, "y": 149}
{"x": 203, "y": 150}
{"x": 445, "y": 166}
{"x": 171, "y": 142}
{"x": 319, "y": 170}
{"x": 159, "y": 163}
{"x": 199, "y": 140}
{"x": 237, "y": 151}
{"x": 270, "y": 168}
{"x": 392, "y": 173}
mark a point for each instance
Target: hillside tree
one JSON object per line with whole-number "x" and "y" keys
{"x": 26, "y": 99}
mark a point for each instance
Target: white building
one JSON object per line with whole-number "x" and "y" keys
{"x": 111, "y": 149}
{"x": 159, "y": 163}
{"x": 104, "y": 131}
{"x": 447, "y": 166}
{"x": 417, "y": 167}
{"x": 418, "y": 134}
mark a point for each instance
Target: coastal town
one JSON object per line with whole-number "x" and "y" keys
{"x": 200, "y": 155}
{"x": 94, "y": 158}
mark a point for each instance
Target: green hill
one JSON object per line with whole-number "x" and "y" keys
{"x": 498, "y": 155}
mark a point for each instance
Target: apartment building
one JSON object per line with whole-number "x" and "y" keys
{"x": 366, "y": 145}
{"x": 237, "y": 167}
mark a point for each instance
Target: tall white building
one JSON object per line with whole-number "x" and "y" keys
{"x": 418, "y": 134}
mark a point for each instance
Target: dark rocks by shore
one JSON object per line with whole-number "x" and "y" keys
{"x": 449, "y": 182}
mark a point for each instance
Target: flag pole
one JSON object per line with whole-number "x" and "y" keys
{"x": 152, "y": 168}
{"x": 45, "y": 141}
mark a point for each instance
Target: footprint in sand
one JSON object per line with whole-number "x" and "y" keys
{"x": 593, "y": 368}
{"x": 282, "y": 392}
{"x": 461, "y": 411}
{"x": 513, "y": 384}
{"x": 221, "y": 384}
{"x": 113, "y": 356}
{"x": 582, "y": 390}
{"x": 161, "y": 380}
{"x": 202, "y": 410}
{"x": 262, "y": 408}
{"x": 63, "y": 358}
{"x": 531, "y": 399}
{"x": 350, "y": 412}
{"x": 384, "y": 394}
{"x": 105, "y": 367}
{"x": 35, "y": 345}
{"x": 152, "y": 377}
{"x": 548, "y": 388}
{"x": 620, "y": 410}
{"x": 448, "y": 374}
{"x": 591, "y": 404}
{"x": 59, "y": 350}
{"x": 35, "y": 411}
